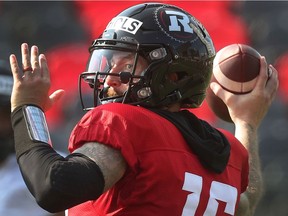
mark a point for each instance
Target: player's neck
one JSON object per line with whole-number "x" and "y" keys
{"x": 173, "y": 107}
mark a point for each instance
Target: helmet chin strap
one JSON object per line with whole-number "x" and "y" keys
{"x": 172, "y": 98}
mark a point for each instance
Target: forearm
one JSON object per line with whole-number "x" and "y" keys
{"x": 56, "y": 182}
{"x": 59, "y": 183}
{"x": 248, "y": 136}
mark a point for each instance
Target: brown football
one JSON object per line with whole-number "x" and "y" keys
{"x": 235, "y": 68}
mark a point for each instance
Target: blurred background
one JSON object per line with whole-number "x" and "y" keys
{"x": 64, "y": 30}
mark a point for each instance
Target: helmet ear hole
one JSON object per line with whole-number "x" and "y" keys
{"x": 177, "y": 76}
{"x": 172, "y": 77}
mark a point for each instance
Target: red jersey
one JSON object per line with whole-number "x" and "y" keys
{"x": 164, "y": 177}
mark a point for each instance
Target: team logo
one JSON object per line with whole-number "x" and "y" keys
{"x": 176, "y": 24}
{"x": 125, "y": 24}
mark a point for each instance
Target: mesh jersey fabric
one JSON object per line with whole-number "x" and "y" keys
{"x": 160, "y": 164}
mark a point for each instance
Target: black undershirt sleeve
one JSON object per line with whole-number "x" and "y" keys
{"x": 56, "y": 182}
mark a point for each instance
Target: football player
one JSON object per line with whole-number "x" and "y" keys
{"x": 137, "y": 150}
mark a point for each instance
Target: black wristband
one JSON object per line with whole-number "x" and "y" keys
{"x": 22, "y": 138}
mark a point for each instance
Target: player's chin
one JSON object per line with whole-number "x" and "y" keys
{"x": 111, "y": 92}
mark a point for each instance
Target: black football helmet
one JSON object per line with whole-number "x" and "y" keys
{"x": 170, "y": 39}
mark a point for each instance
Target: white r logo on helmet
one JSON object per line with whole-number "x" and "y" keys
{"x": 175, "y": 20}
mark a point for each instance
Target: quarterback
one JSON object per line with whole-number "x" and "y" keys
{"x": 138, "y": 150}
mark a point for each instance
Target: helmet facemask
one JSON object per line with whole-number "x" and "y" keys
{"x": 132, "y": 63}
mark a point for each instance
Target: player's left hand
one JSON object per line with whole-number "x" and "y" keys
{"x": 32, "y": 82}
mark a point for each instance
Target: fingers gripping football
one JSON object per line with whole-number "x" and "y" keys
{"x": 251, "y": 107}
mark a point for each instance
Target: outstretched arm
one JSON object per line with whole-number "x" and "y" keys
{"x": 56, "y": 182}
{"x": 247, "y": 112}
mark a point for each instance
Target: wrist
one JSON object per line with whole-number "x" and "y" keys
{"x": 30, "y": 128}
{"x": 245, "y": 125}
{"x": 246, "y": 133}
{"x": 15, "y": 108}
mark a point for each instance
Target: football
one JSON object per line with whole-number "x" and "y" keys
{"x": 236, "y": 68}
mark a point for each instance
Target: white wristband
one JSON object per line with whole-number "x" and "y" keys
{"x": 36, "y": 124}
